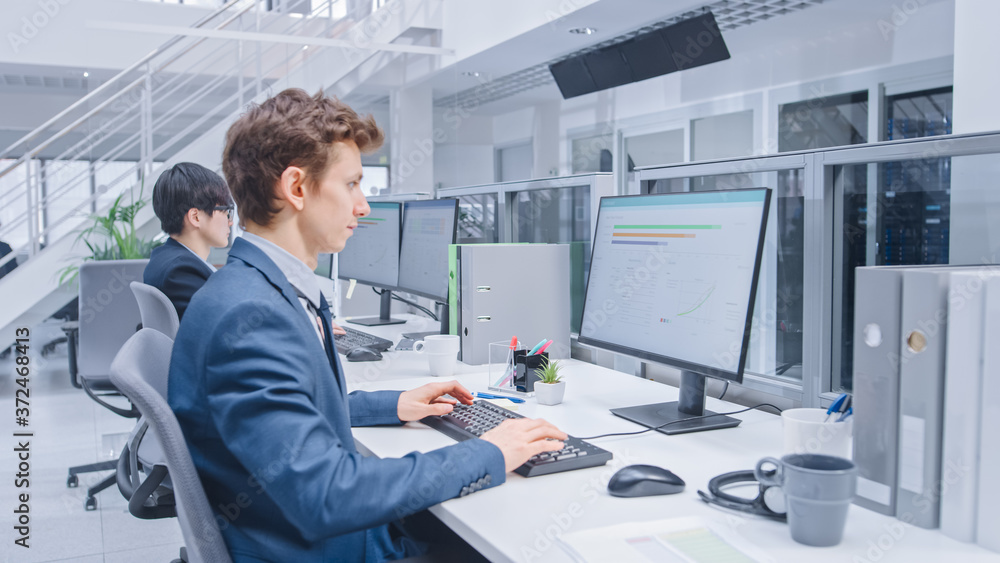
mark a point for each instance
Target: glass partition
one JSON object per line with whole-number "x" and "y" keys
{"x": 558, "y": 215}
{"x": 477, "y": 218}
{"x": 905, "y": 218}
{"x": 776, "y": 347}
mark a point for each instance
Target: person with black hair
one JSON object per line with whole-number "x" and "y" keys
{"x": 195, "y": 208}
{"x": 5, "y": 249}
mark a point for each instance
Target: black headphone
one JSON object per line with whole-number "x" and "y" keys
{"x": 769, "y": 503}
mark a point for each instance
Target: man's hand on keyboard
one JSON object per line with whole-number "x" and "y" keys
{"x": 429, "y": 400}
{"x": 336, "y": 328}
{"x": 524, "y": 437}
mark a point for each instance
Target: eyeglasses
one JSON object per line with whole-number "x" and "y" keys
{"x": 227, "y": 208}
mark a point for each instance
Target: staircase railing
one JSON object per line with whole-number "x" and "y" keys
{"x": 114, "y": 138}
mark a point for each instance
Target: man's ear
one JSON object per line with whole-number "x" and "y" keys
{"x": 291, "y": 187}
{"x": 193, "y": 218}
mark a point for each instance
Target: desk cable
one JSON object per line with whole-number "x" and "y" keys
{"x": 410, "y": 303}
{"x": 679, "y": 421}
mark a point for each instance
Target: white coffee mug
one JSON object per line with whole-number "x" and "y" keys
{"x": 437, "y": 344}
{"x": 442, "y": 365}
{"x": 807, "y": 431}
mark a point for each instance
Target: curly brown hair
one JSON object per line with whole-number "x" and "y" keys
{"x": 289, "y": 129}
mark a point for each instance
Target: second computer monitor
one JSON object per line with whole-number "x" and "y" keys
{"x": 429, "y": 226}
{"x": 371, "y": 255}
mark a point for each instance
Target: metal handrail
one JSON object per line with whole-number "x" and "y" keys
{"x": 135, "y": 66}
{"x": 123, "y": 119}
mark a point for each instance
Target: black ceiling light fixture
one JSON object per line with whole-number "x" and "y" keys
{"x": 686, "y": 44}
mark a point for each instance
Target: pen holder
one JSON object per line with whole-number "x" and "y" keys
{"x": 502, "y": 367}
{"x": 525, "y": 366}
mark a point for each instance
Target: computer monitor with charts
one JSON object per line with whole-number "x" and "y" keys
{"x": 429, "y": 226}
{"x": 673, "y": 278}
{"x": 371, "y": 255}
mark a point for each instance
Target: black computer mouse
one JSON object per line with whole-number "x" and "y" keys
{"x": 363, "y": 354}
{"x": 644, "y": 481}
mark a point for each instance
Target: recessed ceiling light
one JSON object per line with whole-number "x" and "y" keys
{"x": 305, "y": 47}
{"x": 583, "y": 30}
{"x": 86, "y": 74}
{"x": 471, "y": 73}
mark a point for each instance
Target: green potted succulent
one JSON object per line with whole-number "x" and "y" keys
{"x": 550, "y": 388}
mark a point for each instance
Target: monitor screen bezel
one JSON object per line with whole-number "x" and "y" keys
{"x": 454, "y": 237}
{"x": 399, "y": 239}
{"x": 701, "y": 369}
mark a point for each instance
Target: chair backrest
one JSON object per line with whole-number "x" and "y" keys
{"x": 108, "y": 312}
{"x": 155, "y": 308}
{"x": 146, "y": 357}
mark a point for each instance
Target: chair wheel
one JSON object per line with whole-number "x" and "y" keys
{"x": 72, "y": 482}
{"x": 90, "y": 503}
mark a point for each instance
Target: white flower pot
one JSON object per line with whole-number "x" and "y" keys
{"x": 549, "y": 393}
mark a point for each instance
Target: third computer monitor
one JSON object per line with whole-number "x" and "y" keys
{"x": 673, "y": 279}
{"x": 429, "y": 226}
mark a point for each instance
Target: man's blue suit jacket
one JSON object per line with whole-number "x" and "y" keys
{"x": 267, "y": 418}
{"x": 177, "y": 272}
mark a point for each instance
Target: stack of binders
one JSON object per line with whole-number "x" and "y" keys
{"x": 925, "y": 383}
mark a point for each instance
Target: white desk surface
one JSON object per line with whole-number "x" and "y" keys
{"x": 513, "y": 522}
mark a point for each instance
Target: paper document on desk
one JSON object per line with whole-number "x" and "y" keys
{"x": 677, "y": 540}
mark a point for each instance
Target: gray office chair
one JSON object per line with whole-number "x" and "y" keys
{"x": 108, "y": 317}
{"x": 155, "y": 308}
{"x": 146, "y": 357}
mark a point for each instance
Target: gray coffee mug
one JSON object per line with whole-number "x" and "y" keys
{"x": 818, "y": 492}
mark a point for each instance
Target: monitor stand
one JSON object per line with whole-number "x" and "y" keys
{"x": 383, "y": 318}
{"x": 691, "y": 404}
{"x": 441, "y": 309}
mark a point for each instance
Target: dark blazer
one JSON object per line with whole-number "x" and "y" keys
{"x": 177, "y": 272}
{"x": 7, "y": 268}
{"x": 267, "y": 417}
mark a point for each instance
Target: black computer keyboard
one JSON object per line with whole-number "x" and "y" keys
{"x": 356, "y": 339}
{"x": 472, "y": 421}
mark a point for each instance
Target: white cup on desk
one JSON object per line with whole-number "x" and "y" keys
{"x": 441, "y": 351}
{"x": 807, "y": 431}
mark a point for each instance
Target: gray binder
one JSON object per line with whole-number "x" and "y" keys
{"x": 963, "y": 403}
{"x": 879, "y": 371}
{"x": 877, "y": 310}
{"x": 921, "y": 394}
{"x": 988, "y": 520}
{"x": 507, "y": 290}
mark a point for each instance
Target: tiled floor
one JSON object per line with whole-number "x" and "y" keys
{"x": 68, "y": 429}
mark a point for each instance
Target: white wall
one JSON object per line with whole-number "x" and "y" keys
{"x": 474, "y": 26}
{"x": 457, "y": 165}
{"x": 977, "y": 74}
{"x": 55, "y": 32}
{"x": 974, "y": 192}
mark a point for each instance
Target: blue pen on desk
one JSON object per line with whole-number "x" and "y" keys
{"x": 482, "y": 395}
{"x": 836, "y": 406}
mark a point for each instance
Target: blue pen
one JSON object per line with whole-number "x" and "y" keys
{"x": 482, "y": 395}
{"x": 836, "y": 406}
{"x": 846, "y": 414}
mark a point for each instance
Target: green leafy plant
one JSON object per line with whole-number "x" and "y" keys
{"x": 112, "y": 236}
{"x": 549, "y": 372}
